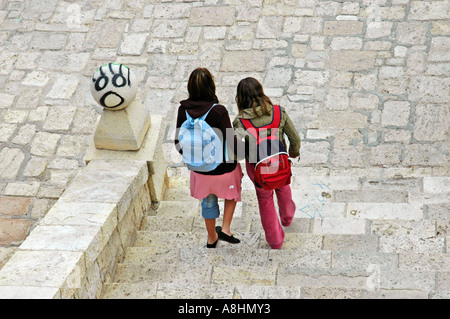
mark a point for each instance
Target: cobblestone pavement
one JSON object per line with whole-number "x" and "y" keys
{"x": 366, "y": 83}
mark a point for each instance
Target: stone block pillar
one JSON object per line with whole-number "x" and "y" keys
{"x": 125, "y": 129}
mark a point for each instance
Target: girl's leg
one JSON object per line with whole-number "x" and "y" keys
{"x": 211, "y": 229}
{"x": 228, "y": 212}
{"x": 269, "y": 216}
{"x": 210, "y": 211}
{"x": 286, "y": 205}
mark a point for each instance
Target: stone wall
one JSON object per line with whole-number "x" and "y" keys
{"x": 74, "y": 250}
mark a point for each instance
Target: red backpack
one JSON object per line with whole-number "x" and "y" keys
{"x": 272, "y": 167}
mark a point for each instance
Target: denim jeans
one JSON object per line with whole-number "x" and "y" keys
{"x": 210, "y": 207}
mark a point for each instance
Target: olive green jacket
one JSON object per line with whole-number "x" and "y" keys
{"x": 286, "y": 128}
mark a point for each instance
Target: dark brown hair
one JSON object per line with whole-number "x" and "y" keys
{"x": 201, "y": 86}
{"x": 250, "y": 94}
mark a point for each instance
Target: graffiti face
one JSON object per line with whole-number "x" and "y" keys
{"x": 113, "y": 86}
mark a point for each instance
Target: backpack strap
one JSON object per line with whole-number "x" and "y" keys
{"x": 276, "y": 121}
{"x": 206, "y": 114}
{"x": 203, "y": 117}
{"x": 248, "y": 126}
{"x": 274, "y": 125}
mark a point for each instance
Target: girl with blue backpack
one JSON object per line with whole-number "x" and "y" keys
{"x": 201, "y": 138}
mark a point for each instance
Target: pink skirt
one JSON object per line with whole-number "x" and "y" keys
{"x": 227, "y": 186}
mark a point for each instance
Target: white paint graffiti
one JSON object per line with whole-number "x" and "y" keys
{"x": 374, "y": 280}
{"x": 114, "y": 86}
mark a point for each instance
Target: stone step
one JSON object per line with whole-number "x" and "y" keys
{"x": 227, "y": 255}
{"x": 324, "y": 183}
{"x": 180, "y": 194}
{"x": 192, "y": 207}
{"x": 351, "y": 225}
{"x": 312, "y": 234}
{"x": 197, "y": 291}
{"x": 194, "y": 274}
{"x": 189, "y": 208}
{"x": 299, "y": 249}
{"x": 310, "y": 205}
{"x": 173, "y": 240}
{"x": 169, "y": 240}
{"x": 329, "y": 270}
{"x": 197, "y": 223}
{"x": 365, "y": 276}
{"x": 253, "y": 255}
{"x": 146, "y": 290}
{"x": 347, "y": 188}
{"x": 244, "y": 275}
{"x": 371, "y": 196}
{"x": 167, "y": 223}
{"x": 165, "y": 273}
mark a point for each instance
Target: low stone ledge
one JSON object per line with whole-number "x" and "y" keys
{"x": 74, "y": 250}
{"x": 150, "y": 151}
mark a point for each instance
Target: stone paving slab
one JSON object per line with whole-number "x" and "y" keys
{"x": 246, "y": 275}
{"x": 168, "y": 274}
{"x": 132, "y": 291}
{"x": 42, "y": 262}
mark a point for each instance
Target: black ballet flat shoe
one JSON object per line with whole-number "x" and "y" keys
{"x": 222, "y": 236}
{"x": 213, "y": 245}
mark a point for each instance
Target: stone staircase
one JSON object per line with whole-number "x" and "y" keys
{"x": 352, "y": 237}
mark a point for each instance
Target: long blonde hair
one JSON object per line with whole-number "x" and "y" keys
{"x": 250, "y": 94}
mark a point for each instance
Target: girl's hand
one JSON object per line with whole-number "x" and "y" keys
{"x": 292, "y": 156}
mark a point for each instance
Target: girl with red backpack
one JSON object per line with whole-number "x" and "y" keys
{"x": 262, "y": 125}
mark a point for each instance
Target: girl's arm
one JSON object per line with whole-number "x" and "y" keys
{"x": 180, "y": 119}
{"x": 293, "y": 136}
{"x": 234, "y": 144}
{"x": 242, "y": 142}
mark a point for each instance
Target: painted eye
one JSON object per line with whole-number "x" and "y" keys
{"x": 101, "y": 83}
{"x": 119, "y": 80}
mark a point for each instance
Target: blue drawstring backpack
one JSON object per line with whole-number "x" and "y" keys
{"x": 202, "y": 147}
